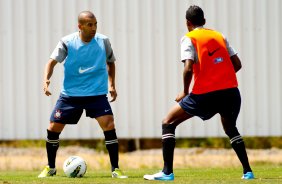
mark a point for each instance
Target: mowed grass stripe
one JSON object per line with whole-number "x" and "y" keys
{"x": 263, "y": 174}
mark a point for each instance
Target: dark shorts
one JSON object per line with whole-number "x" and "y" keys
{"x": 68, "y": 110}
{"x": 225, "y": 102}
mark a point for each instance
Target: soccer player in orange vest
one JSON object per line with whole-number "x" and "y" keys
{"x": 208, "y": 57}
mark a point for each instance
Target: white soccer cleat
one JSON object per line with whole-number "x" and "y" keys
{"x": 159, "y": 176}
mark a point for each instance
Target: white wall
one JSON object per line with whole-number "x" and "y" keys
{"x": 145, "y": 36}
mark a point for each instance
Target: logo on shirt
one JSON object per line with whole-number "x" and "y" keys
{"x": 218, "y": 60}
{"x": 212, "y": 53}
{"x": 83, "y": 70}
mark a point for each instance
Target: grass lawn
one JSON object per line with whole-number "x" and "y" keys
{"x": 263, "y": 174}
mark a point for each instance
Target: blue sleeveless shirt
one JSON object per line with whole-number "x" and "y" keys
{"x": 85, "y": 68}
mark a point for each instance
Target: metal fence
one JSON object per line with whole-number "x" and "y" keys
{"x": 145, "y": 36}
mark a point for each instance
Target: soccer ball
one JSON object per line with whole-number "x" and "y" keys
{"x": 74, "y": 166}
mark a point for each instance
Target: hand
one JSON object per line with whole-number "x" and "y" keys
{"x": 45, "y": 88}
{"x": 180, "y": 96}
{"x": 113, "y": 94}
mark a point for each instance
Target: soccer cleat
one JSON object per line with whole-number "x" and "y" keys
{"x": 117, "y": 173}
{"x": 248, "y": 176}
{"x": 160, "y": 176}
{"x": 47, "y": 172}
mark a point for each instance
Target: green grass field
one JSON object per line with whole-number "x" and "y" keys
{"x": 263, "y": 174}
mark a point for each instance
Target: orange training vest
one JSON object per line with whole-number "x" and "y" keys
{"x": 214, "y": 69}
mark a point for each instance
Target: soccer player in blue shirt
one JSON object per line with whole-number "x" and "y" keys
{"x": 89, "y": 64}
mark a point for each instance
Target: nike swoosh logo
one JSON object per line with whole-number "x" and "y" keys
{"x": 212, "y": 53}
{"x": 80, "y": 70}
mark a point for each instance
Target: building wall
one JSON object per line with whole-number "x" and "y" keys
{"x": 145, "y": 36}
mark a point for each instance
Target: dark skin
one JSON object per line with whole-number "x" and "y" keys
{"x": 87, "y": 25}
{"x": 177, "y": 115}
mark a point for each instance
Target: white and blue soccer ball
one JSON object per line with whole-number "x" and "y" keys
{"x": 74, "y": 166}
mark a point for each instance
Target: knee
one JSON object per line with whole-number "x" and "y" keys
{"x": 56, "y": 127}
{"x": 108, "y": 125}
{"x": 166, "y": 120}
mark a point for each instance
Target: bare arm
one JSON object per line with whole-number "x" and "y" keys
{"x": 236, "y": 62}
{"x": 112, "y": 87}
{"x": 48, "y": 71}
{"x": 187, "y": 77}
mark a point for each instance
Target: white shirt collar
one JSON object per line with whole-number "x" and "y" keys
{"x": 200, "y": 27}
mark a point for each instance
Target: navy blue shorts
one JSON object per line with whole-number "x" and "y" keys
{"x": 68, "y": 110}
{"x": 225, "y": 102}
